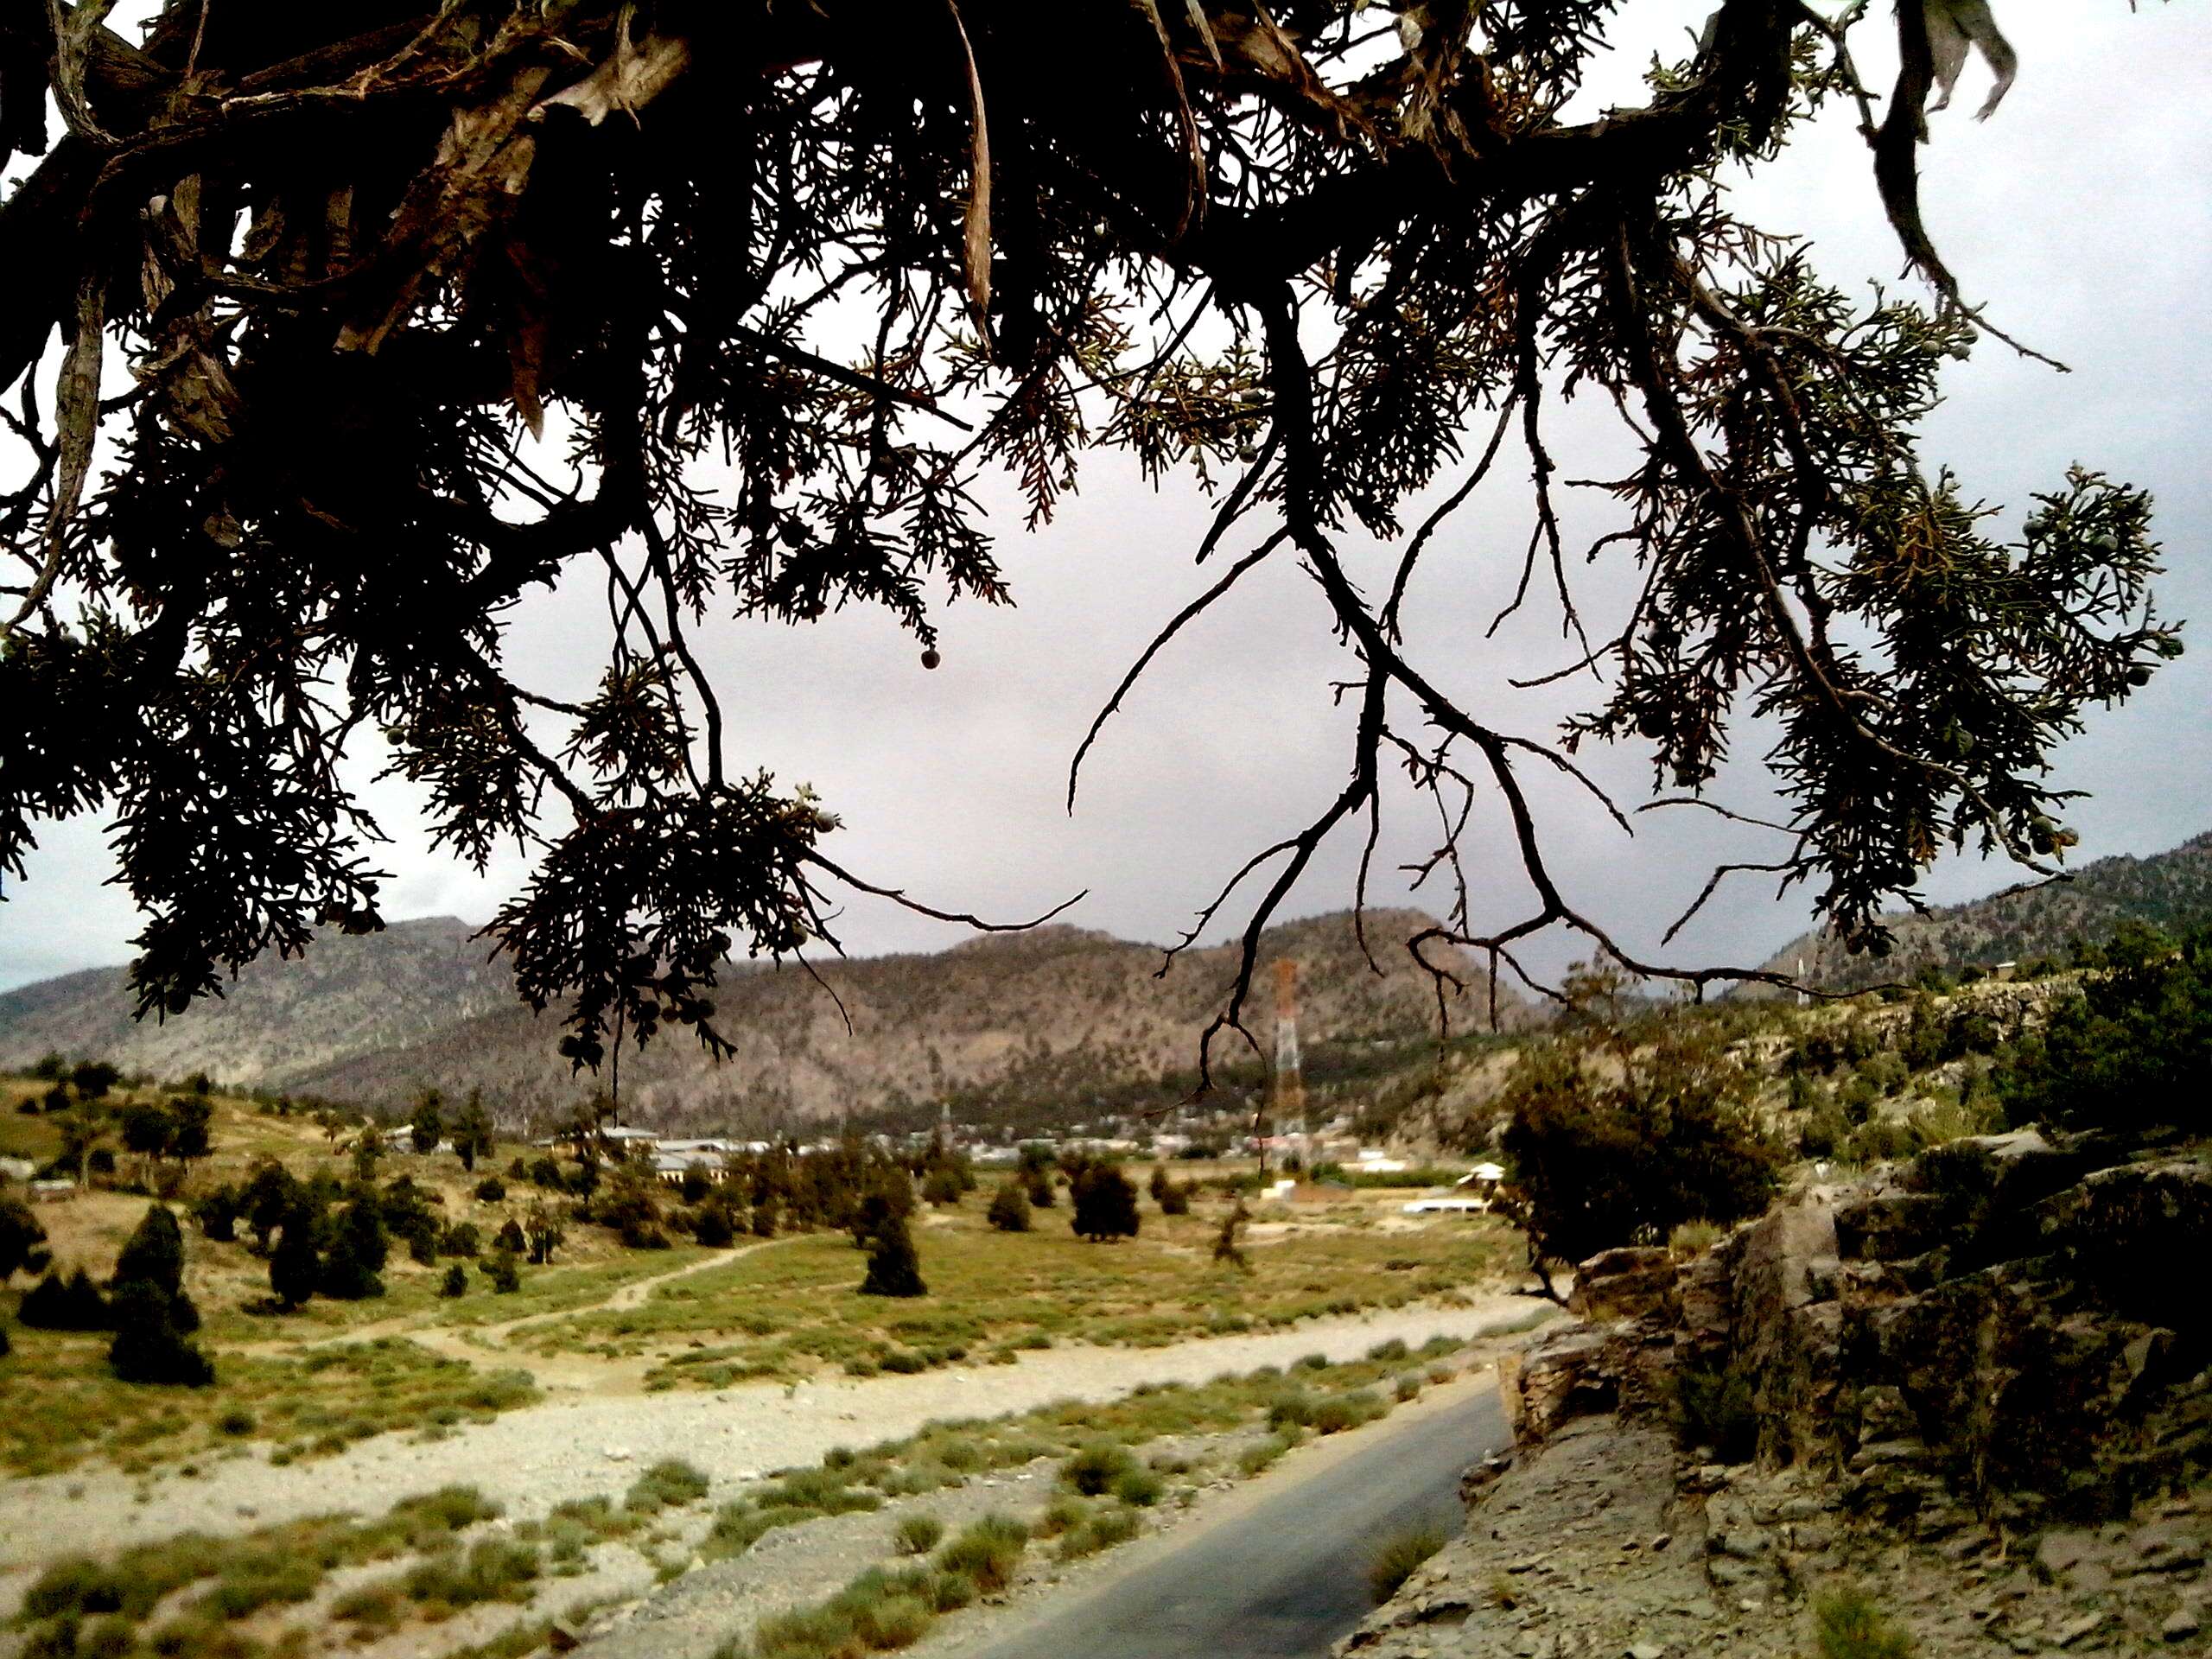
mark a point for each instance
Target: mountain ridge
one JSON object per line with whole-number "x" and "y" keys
{"x": 374, "y": 1021}
{"x": 2171, "y": 889}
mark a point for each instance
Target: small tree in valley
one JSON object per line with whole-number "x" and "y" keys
{"x": 295, "y": 1266}
{"x": 426, "y": 1125}
{"x": 894, "y": 1268}
{"x": 1009, "y": 1210}
{"x": 1105, "y": 1204}
{"x": 471, "y": 1131}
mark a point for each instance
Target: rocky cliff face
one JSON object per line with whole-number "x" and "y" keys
{"x": 1975, "y": 1385}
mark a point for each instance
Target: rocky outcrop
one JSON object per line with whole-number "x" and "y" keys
{"x": 1977, "y": 1381}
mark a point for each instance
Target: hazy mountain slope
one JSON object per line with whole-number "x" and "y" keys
{"x": 347, "y": 996}
{"x": 2172, "y": 889}
{"x": 375, "y": 1020}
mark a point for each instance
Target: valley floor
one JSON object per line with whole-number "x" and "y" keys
{"x": 577, "y": 1445}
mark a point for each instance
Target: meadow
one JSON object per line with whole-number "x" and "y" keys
{"x": 332, "y": 1373}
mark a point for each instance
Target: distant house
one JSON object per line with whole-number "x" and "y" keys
{"x": 17, "y": 1169}
{"x": 53, "y": 1191}
{"x": 1373, "y": 1161}
{"x": 672, "y": 1167}
{"x": 1483, "y": 1180}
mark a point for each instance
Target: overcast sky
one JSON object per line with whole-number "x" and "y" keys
{"x": 2079, "y": 213}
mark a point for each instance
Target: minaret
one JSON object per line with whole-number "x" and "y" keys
{"x": 1290, "y": 1090}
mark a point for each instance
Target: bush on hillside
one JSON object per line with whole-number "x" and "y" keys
{"x": 894, "y": 1268}
{"x": 1661, "y": 1136}
{"x": 1105, "y": 1204}
{"x": 714, "y": 1228}
{"x": 152, "y": 1338}
{"x": 500, "y": 1272}
{"x": 1398, "y": 1560}
{"x": 357, "y": 1250}
{"x": 1009, "y": 1210}
{"x": 217, "y": 1214}
{"x": 295, "y": 1265}
{"x": 58, "y": 1304}
{"x": 22, "y": 1241}
{"x": 2130, "y": 1050}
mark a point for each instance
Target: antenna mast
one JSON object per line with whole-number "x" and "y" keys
{"x": 1288, "y": 1091}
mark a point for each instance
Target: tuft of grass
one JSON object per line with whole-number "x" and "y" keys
{"x": 918, "y": 1535}
{"x": 374, "y": 1608}
{"x": 1138, "y": 1488}
{"x": 1343, "y": 1411}
{"x": 1102, "y": 1529}
{"x": 1259, "y": 1457}
{"x": 1097, "y": 1467}
{"x": 988, "y": 1552}
{"x": 668, "y": 1484}
{"x": 493, "y": 1569}
{"x": 1398, "y": 1559}
{"x": 1849, "y": 1623}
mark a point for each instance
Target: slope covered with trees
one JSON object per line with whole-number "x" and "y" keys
{"x": 2170, "y": 890}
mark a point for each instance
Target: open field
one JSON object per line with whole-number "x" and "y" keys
{"x": 608, "y": 1321}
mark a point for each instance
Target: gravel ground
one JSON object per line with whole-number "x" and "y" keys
{"x": 577, "y": 1446}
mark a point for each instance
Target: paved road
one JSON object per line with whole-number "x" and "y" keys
{"x": 1287, "y": 1576}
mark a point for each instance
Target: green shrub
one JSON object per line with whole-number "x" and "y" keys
{"x": 898, "y": 1621}
{"x": 79, "y": 1584}
{"x": 1140, "y": 1488}
{"x": 1294, "y": 1409}
{"x": 1097, "y": 1467}
{"x": 1343, "y": 1411}
{"x": 1848, "y": 1623}
{"x": 988, "y": 1552}
{"x": 1062, "y": 1513}
{"x": 1602, "y": 1161}
{"x": 1399, "y": 1557}
{"x": 1260, "y": 1456}
{"x": 949, "y": 1592}
{"x": 918, "y": 1535}
{"x": 1101, "y": 1530}
{"x": 1408, "y": 1387}
{"x": 1384, "y": 1351}
{"x": 1693, "y": 1238}
{"x": 376, "y": 1607}
{"x": 669, "y": 1484}
{"x": 494, "y": 1569}
{"x": 261, "y": 1580}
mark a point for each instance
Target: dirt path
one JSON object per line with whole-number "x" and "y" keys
{"x": 581, "y": 1444}
{"x": 479, "y": 1344}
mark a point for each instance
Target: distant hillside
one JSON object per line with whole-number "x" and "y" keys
{"x": 1058, "y": 1010}
{"x": 347, "y": 996}
{"x": 2171, "y": 889}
